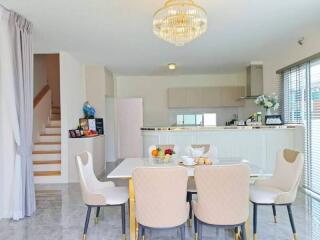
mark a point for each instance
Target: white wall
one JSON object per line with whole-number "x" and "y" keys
{"x": 95, "y": 89}
{"x": 286, "y": 54}
{"x": 153, "y": 90}
{"x": 39, "y": 73}
{"x": 53, "y": 77}
{"x": 73, "y": 95}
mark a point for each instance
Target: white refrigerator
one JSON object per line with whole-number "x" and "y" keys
{"x": 129, "y": 119}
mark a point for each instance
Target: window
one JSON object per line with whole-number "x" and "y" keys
{"x": 301, "y": 95}
{"x": 207, "y": 119}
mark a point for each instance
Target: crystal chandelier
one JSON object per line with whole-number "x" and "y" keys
{"x": 180, "y": 21}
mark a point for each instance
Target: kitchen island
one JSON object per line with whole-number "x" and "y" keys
{"x": 258, "y": 145}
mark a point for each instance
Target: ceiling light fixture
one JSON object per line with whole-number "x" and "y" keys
{"x": 180, "y": 21}
{"x": 172, "y": 66}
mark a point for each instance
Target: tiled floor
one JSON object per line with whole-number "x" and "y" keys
{"x": 60, "y": 216}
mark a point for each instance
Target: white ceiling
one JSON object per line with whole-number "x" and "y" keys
{"x": 118, "y": 33}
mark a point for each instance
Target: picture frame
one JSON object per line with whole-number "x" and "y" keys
{"x": 72, "y": 134}
{"x": 78, "y": 133}
{"x": 273, "y": 120}
{"x": 84, "y": 124}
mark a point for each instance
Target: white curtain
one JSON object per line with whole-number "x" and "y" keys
{"x": 17, "y": 197}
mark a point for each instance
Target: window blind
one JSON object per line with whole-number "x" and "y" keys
{"x": 301, "y": 100}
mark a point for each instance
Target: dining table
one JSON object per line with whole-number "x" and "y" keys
{"x": 125, "y": 169}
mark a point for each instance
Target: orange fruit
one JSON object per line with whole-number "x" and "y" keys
{"x": 154, "y": 153}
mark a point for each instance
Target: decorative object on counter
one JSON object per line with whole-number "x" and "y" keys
{"x": 88, "y": 110}
{"x": 99, "y": 126}
{"x": 75, "y": 133}
{"x": 273, "y": 120}
{"x": 163, "y": 154}
{"x": 268, "y": 103}
{"x": 90, "y": 133}
{"x": 84, "y": 124}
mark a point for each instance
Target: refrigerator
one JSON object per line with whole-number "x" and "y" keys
{"x": 129, "y": 120}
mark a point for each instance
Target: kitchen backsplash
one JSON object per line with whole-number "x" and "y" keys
{"x": 223, "y": 114}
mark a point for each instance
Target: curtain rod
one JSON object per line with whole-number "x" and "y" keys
{"x": 5, "y": 8}
{"x": 304, "y": 60}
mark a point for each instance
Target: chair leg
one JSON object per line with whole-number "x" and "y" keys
{"x": 182, "y": 232}
{"x": 292, "y": 222}
{"x": 123, "y": 217}
{"x": 274, "y": 213}
{"x": 86, "y": 223}
{"x": 243, "y": 232}
{"x": 255, "y": 215}
{"x": 140, "y": 231}
{"x": 96, "y": 220}
{"x": 189, "y": 199}
{"x": 199, "y": 230}
{"x": 195, "y": 223}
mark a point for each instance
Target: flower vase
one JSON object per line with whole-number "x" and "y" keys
{"x": 268, "y": 112}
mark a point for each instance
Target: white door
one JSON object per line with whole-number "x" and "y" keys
{"x": 129, "y": 121}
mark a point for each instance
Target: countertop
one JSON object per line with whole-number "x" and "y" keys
{"x": 214, "y": 128}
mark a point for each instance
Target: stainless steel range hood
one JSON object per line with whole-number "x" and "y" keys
{"x": 254, "y": 81}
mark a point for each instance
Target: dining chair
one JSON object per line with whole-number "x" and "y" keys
{"x": 205, "y": 150}
{"x": 223, "y": 197}
{"x": 98, "y": 194}
{"x": 281, "y": 189}
{"x": 160, "y": 196}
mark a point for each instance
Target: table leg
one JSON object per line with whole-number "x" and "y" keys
{"x": 132, "y": 214}
{"x": 248, "y": 228}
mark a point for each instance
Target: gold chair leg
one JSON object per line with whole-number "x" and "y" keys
{"x": 254, "y": 236}
{"x": 196, "y": 236}
{"x": 295, "y": 237}
{"x": 189, "y": 222}
{"x": 275, "y": 219}
{"x": 84, "y": 237}
{"x": 124, "y": 237}
{"x": 96, "y": 220}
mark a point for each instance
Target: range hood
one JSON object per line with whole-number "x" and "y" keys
{"x": 254, "y": 81}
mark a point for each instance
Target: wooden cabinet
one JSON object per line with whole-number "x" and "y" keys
{"x": 230, "y": 96}
{"x": 205, "y": 97}
{"x": 211, "y": 97}
{"x": 177, "y": 97}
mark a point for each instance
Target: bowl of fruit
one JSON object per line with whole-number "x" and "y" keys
{"x": 162, "y": 155}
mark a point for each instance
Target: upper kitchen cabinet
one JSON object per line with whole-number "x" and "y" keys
{"x": 204, "y": 97}
{"x": 231, "y": 96}
{"x": 177, "y": 97}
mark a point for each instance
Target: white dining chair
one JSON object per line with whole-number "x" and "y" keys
{"x": 223, "y": 197}
{"x": 160, "y": 196}
{"x": 281, "y": 189}
{"x": 198, "y": 150}
{"x": 98, "y": 194}
{"x": 163, "y": 146}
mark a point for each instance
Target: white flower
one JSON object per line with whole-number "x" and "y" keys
{"x": 268, "y": 104}
{"x": 276, "y": 106}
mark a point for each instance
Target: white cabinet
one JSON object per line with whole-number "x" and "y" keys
{"x": 202, "y": 97}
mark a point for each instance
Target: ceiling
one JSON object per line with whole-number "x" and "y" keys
{"x": 118, "y": 33}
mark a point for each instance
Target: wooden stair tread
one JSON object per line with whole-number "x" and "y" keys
{"x": 55, "y": 107}
{"x": 50, "y": 134}
{"x": 53, "y": 126}
{"x": 47, "y": 143}
{"x": 40, "y": 162}
{"x": 46, "y": 173}
{"x": 47, "y": 152}
{"x": 58, "y": 119}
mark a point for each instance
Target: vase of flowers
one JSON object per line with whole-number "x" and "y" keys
{"x": 268, "y": 103}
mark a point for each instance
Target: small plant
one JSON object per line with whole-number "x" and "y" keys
{"x": 268, "y": 102}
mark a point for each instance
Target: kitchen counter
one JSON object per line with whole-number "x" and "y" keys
{"x": 217, "y": 128}
{"x": 258, "y": 145}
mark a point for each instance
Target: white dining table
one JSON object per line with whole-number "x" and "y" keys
{"x": 125, "y": 169}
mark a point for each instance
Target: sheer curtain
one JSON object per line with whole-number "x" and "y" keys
{"x": 17, "y": 198}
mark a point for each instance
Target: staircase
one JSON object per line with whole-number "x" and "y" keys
{"x": 46, "y": 155}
